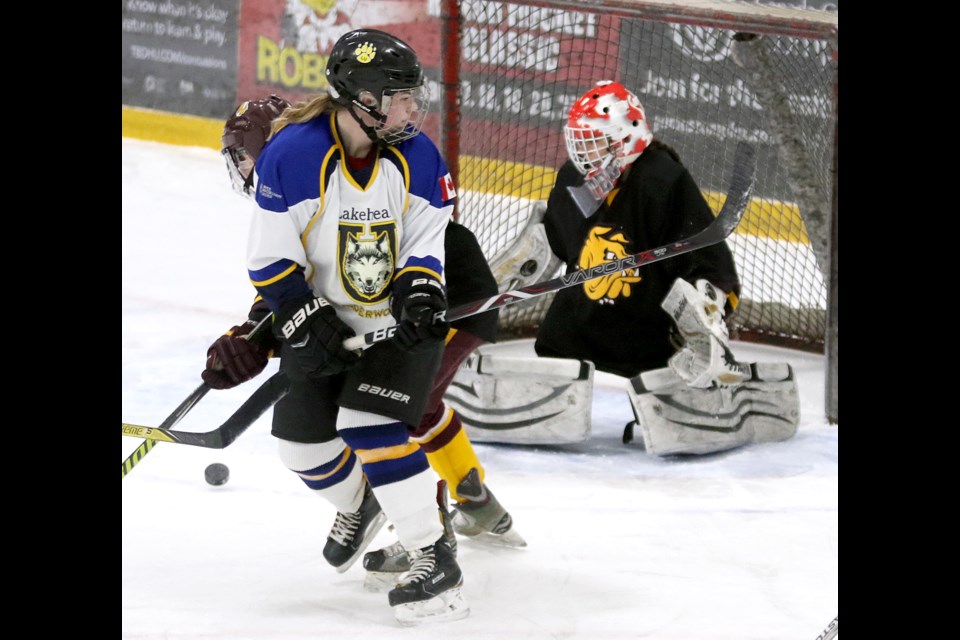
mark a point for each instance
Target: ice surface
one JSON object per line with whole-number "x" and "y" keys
{"x": 736, "y": 545}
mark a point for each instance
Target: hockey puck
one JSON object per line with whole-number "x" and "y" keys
{"x": 217, "y": 474}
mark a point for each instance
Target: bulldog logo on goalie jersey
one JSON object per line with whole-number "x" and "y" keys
{"x": 367, "y": 261}
{"x": 603, "y": 244}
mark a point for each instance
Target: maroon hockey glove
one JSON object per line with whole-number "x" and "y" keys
{"x": 419, "y": 326}
{"x": 314, "y": 332}
{"x": 233, "y": 360}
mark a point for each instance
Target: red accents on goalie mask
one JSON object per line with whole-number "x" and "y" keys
{"x": 606, "y": 124}
{"x": 244, "y": 135}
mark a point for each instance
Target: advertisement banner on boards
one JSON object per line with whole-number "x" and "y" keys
{"x": 284, "y": 45}
{"x": 179, "y": 55}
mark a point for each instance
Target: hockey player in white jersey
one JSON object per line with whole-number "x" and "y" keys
{"x": 232, "y": 360}
{"x": 348, "y": 237}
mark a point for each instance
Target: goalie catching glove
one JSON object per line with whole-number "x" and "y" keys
{"x": 233, "y": 359}
{"x": 706, "y": 358}
{"x": 420, "y": 313}
{"x": 315, "y": 335}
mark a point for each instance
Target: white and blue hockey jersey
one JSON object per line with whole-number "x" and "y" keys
{"x": 318, "y": 229}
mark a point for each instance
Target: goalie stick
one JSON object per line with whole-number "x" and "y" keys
{"x": 267, "y": 395}
{"x": 147, "y": 445}
{"x": 738, "y": 197}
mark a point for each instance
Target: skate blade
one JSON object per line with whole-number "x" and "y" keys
{"x": 381, "y": 581}
{"x": 446, "y": 607}
{"x": 372, "y": 532}
{"x": 511, "y": 539}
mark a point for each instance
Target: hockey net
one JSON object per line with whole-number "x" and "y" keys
{"x": 709, "y": 73}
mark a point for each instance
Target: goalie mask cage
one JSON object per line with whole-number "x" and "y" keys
{"x": 709, "y": 73}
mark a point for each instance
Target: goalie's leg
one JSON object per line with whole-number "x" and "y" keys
{"x": 676, "y": 418}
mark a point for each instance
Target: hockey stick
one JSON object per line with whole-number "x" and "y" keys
{"x": 147, "y": 445}
{"x": 267, "y": 395}
{"x": 738, "y": 197}
{"x": 831, "y": 631}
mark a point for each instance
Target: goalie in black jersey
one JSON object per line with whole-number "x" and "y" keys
{"x": 622, "y": 192}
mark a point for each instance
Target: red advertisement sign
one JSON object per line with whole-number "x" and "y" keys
{"x": 284, "y": 45}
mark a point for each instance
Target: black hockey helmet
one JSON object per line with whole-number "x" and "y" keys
{"x": 244, "y": 134}
{"x": 366, "y": 69}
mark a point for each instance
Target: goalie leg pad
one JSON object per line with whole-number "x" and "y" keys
{"x": 678, "y": 419}
{"x": 523, "y": 400}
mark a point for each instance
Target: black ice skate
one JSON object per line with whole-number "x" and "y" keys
{"x": 386, "y": 566}
{"x": 481, "y": 516}
{"x": 431, "y": 591}
{"x": 353, "y": 532}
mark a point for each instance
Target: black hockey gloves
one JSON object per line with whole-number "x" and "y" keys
{"x": 315, "y": 333}
{"x": 232, "y": 359}
{"x": 418, "y": 327}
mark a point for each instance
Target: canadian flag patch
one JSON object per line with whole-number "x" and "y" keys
{"x": 446, "y": 188}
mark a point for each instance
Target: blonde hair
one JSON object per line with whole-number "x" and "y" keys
{"x": 305, "y": 111}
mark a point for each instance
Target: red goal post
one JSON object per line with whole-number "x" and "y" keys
{"x": 709, "y": 73}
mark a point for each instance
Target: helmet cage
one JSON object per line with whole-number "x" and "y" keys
{"x": 240, "y": 165}
{"x": 392, "y": 125}
{"x": 244, "y": 135}
{"x": 590, "y": 149}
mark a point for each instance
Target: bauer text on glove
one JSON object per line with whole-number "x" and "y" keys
{"x": 315, "y": 334}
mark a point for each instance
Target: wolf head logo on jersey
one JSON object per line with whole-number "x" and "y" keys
{"x": 367, "y": 264}
{"x": 604, "y": 244}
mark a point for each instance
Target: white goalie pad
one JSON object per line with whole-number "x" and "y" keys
{"x": 678, "y": 419}
{"x": 528, "y": 260}
{"x": 517, "y": 400}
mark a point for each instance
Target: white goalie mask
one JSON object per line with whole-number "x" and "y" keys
{"x": 606, "y": 130}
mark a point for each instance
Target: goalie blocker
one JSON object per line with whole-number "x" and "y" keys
{"x": 675, "y": 418}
